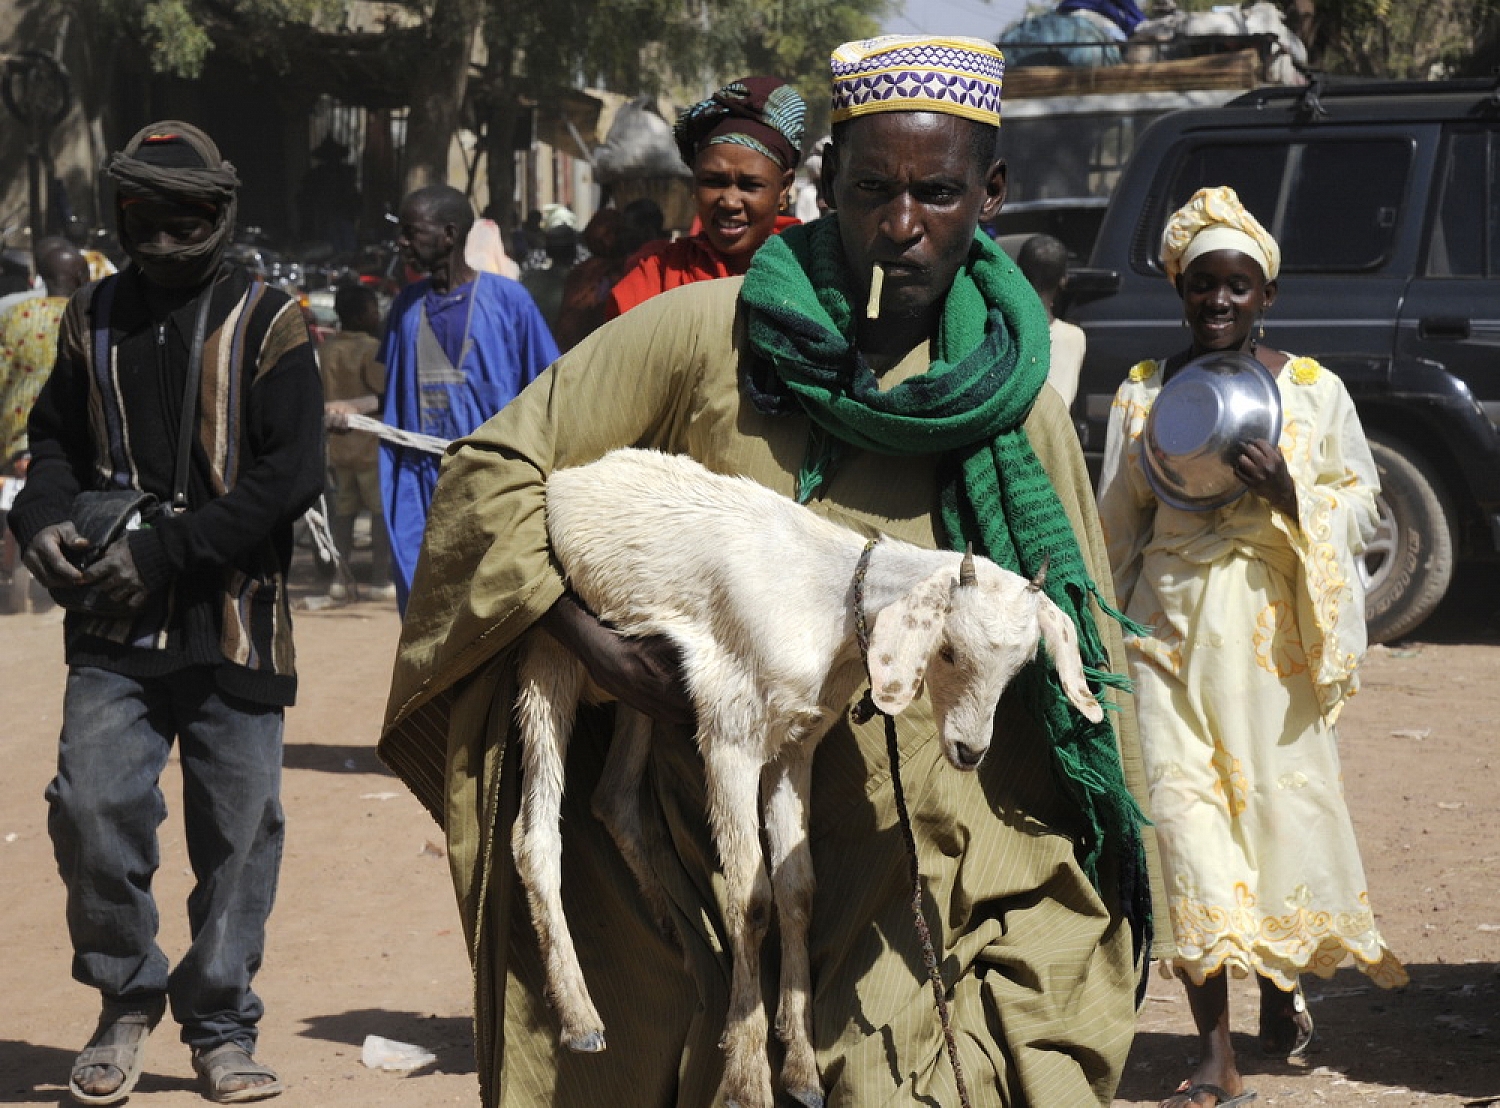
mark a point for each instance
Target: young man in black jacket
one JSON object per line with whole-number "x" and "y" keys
{"x": 203, "y": 654}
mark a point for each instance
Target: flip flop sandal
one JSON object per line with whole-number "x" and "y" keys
{"x": 219, "y": 1065}
{"x": 127, "y": 1054}
{"x": 1221, "y": 1098}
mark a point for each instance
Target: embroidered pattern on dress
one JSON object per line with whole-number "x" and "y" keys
{"x": 1230, "y": 784}
{"x": 1303, "y": 938}
{"x": 1293, "y": 443}
{"x": 1163, "y": 646}
{"x": 1278, "y": 646}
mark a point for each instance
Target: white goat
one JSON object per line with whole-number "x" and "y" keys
{"x": 756, "y": 592}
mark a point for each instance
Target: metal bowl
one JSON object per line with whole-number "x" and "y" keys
{"x": 1202, "y": 416}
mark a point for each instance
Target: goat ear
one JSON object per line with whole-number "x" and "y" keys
{"x": 1061, "y": 638}
{"x": 904, "y": 637}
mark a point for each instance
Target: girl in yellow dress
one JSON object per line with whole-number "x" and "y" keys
{"x": 1256, "y": 625}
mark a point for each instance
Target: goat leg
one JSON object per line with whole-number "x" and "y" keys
{"x": 788, "y": 789}
{"x": 617, "y": 805}
{"x": 733, "y": 783}
{"x": 550, "y": 682}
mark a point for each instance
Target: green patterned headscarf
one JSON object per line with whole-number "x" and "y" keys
{"x": 991, "y": 359}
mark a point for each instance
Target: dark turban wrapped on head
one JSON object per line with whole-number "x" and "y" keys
{"x": 764, "y": 113}
{"x": 172, "y": 162}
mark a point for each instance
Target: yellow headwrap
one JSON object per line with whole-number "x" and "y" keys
{"x": 1214, "y": 219}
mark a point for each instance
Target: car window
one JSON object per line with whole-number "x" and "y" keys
{"x": 1333, "y": 205}
{"x": 1254, "y": 170}
{"x": 1069, "y": 154}
{"x": 1465, "y": 238}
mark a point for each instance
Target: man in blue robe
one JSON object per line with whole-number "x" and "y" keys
{"x": 459, "y": 345}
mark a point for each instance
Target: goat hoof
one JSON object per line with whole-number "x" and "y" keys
{"x": 808, "y": 1098}
{"x": 592, "y": 1043}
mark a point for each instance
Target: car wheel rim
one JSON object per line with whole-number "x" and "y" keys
{"x": 1380, "y": 552}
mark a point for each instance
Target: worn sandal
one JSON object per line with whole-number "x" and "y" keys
{"x": 1302, "y": 1023}
{"x": 224, "y": 1068}
{"x": 1221, "y": 1098}
{"x": 127, "y": 1029}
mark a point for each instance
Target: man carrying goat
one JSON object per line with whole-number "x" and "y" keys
{"x": 883, "y": 365}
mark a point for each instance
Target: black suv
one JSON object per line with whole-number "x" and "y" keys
{"x": 1385, "y": 199}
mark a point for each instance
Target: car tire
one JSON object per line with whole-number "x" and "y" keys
{"x": 1408, "y": 566}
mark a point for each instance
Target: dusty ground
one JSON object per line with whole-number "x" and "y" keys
{"x": 364, "y": 939}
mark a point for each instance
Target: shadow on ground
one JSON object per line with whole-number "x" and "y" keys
{"x": 35, "y": 1074}
{"x": 1436, "y": 1036}
{"x": 451, "y": 1038}
{"x": 331, "y": 758}
{"x": 1470, "y": 613}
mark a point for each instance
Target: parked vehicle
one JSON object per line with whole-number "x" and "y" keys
{"x": 1066, "y": 153}
{"x": 1385, "y": 198}
{"x": 1069, "y": 130}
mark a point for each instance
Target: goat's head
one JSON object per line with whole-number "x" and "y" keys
{"x": 965, "y": 634}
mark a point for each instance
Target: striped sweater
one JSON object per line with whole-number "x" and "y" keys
{"x": 108, "y": 418}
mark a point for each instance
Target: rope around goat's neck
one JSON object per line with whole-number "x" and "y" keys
{"x": 863, "y": 712}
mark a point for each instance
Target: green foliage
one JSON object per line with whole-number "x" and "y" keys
{"x": 669, "y": 44}
{"x": 179, "y": 44}
{"x": 181, "y": 34}
{"x": 1394, "y": 38}
{"x": 535, "y": 50}
{"x": 791, "y": 40}
{"x": 541, "y": 46}
{"x": 687, "y": 49}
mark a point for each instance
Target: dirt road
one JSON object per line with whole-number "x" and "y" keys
{"x": 365, "y": 939}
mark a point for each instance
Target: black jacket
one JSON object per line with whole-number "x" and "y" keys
{"x": 108, "y": 418}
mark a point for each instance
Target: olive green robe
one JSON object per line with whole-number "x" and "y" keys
{"x": 1039, "y": 968}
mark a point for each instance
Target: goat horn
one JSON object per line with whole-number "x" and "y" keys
{"x": 966, "y": 577}
{"x": 1041, "y": 575}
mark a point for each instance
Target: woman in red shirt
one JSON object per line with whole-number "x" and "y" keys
{"x": 743, "y": 144}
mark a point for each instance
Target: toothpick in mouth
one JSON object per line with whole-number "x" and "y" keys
{"x": 877, "y": 283}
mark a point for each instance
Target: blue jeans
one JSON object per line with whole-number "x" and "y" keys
{"x": 105, "y": 806}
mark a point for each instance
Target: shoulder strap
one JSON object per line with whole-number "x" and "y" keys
{"x": 185, "y": 430}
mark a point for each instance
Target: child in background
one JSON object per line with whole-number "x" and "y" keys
{"x": 352, "y": 383}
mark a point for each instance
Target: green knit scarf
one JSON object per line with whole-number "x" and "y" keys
{"x": 991, "y": 361}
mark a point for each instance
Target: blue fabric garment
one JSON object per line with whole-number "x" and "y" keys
{"x": 1124, "y": 14}
{"x": 508, "y": 345}
{"x": 1055, "y": 38}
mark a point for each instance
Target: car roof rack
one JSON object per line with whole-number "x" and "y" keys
{"x": 1324, "y": 86}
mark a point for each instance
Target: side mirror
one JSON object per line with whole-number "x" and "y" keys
{"x": 1092, "y": 284}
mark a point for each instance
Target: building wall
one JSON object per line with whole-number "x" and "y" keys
{"x": 257, "y": 124}
{"x": 76, "y": 144}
